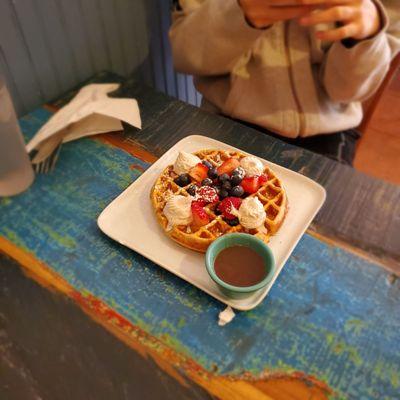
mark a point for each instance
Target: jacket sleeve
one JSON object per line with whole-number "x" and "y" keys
{"x": 355, "y": 73}
{"x": 209, "y": 36}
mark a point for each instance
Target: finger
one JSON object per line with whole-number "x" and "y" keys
{"x": 328, "y": 2}
{"x": 334, "y": 35}
{"x": 278, "y": 14}
{"x": 339, "y": 13}
{"x": 284, "y": 3}
{"x": 289, "y": 3}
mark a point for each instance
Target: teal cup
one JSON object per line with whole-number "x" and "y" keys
{"x": 240, "y": 239}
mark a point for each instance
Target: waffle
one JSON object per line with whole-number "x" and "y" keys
{"x": 271, "y": 195}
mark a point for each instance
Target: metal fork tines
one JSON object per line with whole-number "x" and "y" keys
{"x": 47, "y": 165}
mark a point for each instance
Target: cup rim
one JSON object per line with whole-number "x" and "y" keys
{"x": 268, "y": 256}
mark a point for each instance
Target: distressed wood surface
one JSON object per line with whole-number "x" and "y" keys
{"x": 329, "y": 328}
{"x": 75, "y": 359}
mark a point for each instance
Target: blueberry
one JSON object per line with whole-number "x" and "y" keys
{"x": 206, "y": 182}
{"x": 186, "y": 179}
{"x": 236, "y": 179}
{"x": 207, "y": 164}
{"x": 192, "y": 190}
{"x": 223, "y": 193}
{"x": 232, "y": 222}
{"x": 239, "y": 171}
{"x": 182, "y": 180}
{"x": 226, "y": 185}
{"x": 237, "y": 191}
{"x": 223, "y": 177}
{"x": 212, "y": 173}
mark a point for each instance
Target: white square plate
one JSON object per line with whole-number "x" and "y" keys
{"x": 130, "y": 220}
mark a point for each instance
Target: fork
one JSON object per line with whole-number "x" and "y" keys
{"x": 46, "y": 157}
{"x": 49, "y": 163}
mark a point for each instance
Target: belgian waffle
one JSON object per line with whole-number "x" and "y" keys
{"x": 271, "y": 194}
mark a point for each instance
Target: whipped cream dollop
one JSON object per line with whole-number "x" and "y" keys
{"x": 251, "y": 213}
{"x": 184, "y": 162}
{"x": 178, "y": 210}
{"x": 252, "y": 165}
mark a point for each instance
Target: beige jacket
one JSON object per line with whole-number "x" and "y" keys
{"x": 280, "y": 78}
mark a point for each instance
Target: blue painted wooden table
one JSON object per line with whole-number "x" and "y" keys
{"x": 330, "y": 327}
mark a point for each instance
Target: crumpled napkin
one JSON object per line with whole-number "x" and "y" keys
{"x": 226, "y": 316}
{"x": 90, "y": 112}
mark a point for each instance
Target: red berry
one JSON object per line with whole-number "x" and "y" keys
{"x": 226, "y": 206}
{"x": 262, "y": 179}
{"x": 199, "y": 172}
{"x": 228, "y": 166}
{"x": 200, "y": 217}
{"x": 207, "y": 194}
{"x": 250, "y": 184}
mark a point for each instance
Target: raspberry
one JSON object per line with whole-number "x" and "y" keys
{"x": 227, "y": 205}
{"x": 207, "y": 194}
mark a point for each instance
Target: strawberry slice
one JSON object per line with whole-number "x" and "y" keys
{"x": 228, "y": 166}
{"x": 227, "y": 205}
{"x": 199, "y": 172}
{"x": 262, "y": 179}
{"x": 200, "y": 217}
{"x": 250, "y": 184}
{"x": 207, "y": 195}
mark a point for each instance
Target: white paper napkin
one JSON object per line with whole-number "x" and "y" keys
{"x": 226, "y": 316}
{"x": 90, "y": 112}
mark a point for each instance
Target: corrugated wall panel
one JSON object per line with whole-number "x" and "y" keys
{"x": 17, "y": 62}
{"x": 48, "y": 46}
{"x": 171, "y": 82}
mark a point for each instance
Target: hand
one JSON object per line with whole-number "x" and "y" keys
{"x": 262, "y": 13}
{"x": 359, "y": 19}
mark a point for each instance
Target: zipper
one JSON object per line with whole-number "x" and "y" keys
{"x": 291, "y": 79}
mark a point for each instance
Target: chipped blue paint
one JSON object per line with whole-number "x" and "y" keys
{"x": 330, "y": 313}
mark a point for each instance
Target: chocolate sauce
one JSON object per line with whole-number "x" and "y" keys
{"x": 239, "y": 266}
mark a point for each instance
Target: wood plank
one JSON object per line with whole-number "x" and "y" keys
{"x": 49, "y": 46}
{"x": 95, "y": 33}
{"x": 112, "y": 35}
{"x": 135, "y": 27}
{"x": 17, "y": 62}
{"x": 77, "y": 358}
{"x": 127, "y": 18}
{"x": 60, "y": 51}
{"x": 37, "y": 46}
{"x": 289, "y": 386}
{"x": 76, "y": 34}
{"x": 6, "y": 74}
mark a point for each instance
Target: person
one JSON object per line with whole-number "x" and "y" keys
{"x": 299, "y": 69}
